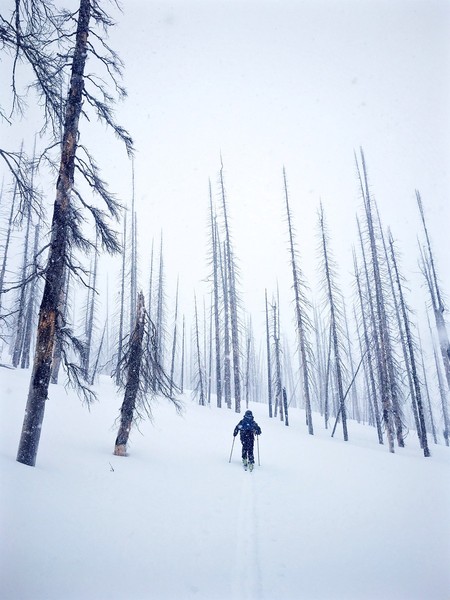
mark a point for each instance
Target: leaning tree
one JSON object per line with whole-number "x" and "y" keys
{"x": 140, "y": 375}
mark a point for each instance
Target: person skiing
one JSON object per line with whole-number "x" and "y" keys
{"x": 247, "y": 428}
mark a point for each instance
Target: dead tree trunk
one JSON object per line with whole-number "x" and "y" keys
{"x": 277, "y": 358}
{"x": 183, "y": 344}
{"x": 417, "y": 394}
{"x": 334, "y": 312}
{"x": 30, "y": 312}
{"x": 436, "y": 298}
{"x": 215, "y": 258}
{"x": 90, "y": 314}
{"x": 133, "y": 253}
{"x": 22, "y": 297}
{"x": 174, "y": 341}
{"x": 269, "y": 361}
{"x": 372, "y": 390}
{"x": 442, "y": 392}
{"x": 122, "y": 299}
{"x": 300, "y": 316}
{"x": 132, "y": 385}
{"x": 54, "y": 276}
{"x": 232, "y": 297}
{"x": 62, "y": 315}
{"x": 6, "y": 246}
{"x": 379, "y": 321}
{"x": 199, "y": 385}
{"x": 226, "y": 337}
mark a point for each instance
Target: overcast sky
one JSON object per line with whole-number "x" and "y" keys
{"x": 270, "y": 83}
{"x": 296, "y": 83}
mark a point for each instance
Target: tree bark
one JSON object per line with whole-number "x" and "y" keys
{"x": 54, "y": 278}
{"x": 132, "y": 385}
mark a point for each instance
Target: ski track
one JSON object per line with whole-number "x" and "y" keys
{"x": 246, "y": 576}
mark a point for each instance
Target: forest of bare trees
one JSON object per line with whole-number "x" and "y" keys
{"x": 361, "y": 355}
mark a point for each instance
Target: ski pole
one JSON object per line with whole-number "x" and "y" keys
{"x": 232, "y": 446}
{"x": 257, "y": 445}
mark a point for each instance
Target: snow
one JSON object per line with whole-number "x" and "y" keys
{"x": 320, "y": 519}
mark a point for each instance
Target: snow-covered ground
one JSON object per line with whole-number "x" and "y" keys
{"x": 319, "y": 519}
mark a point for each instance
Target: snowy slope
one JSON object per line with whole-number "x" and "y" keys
{"x": 320, "y": 519}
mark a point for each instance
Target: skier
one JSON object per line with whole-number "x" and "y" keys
{"x": 248, "y": 427}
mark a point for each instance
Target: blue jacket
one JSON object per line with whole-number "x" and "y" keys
{"x": 247, "y": 426}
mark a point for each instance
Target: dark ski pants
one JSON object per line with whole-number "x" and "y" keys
{"x": 247, "y": 439}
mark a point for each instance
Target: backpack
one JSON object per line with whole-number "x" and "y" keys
{"x": 247, "y": 425}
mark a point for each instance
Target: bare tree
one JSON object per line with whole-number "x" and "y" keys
{"x": 215, "y": 244}
{"x": 183, "y": 345}
{"x": 301, "y": 318}
{"x": 278, "y": 384}
{"x": 411, "y": 355}
{"x": 22, "y": 292}
{"x": 371, "y": 383}
{"x": 269, "y": 361}
{"x": 442, "y": 390}
{"x": 137, "y": 366}
{"x": 334, "y": 302}
{"x": 174, "y": 340}
{"x": 66, "y": 228}
{"x": 133, "y": 252}
{"x": 199, "y": 385}
{"x": 160, "y": 315}
{"x": 6, "y": 246}
{"x": 429, "y": 267}
{"x": 226, "y": 329}
{"x": 230, "y": 268}
{"x": 90, "y": 314}
{"x": 30, "y": 315}
{"x": 121, "y": 333}
{"x": 379, "y": 322}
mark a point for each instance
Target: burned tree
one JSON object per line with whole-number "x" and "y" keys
{"x": 334, "y": 303}
{"x": 199, "y": 374}
{"x": 215, "y": 247}
{"x": 410, "y": 354}
{"x": 378, "y": 314}
{"x": 66, "y": 230}
{"x": 301, "y": 318}
{"x": 230, "y": 279}
{"x": 269, "y": 361}
{"x": 137, "y": 366}
{"x": 429, "y": 270}
{"x": 369, "y": 363}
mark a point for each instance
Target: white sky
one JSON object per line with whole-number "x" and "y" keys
{"x": 272, "y": 83}
{"x": 301, "y": 84}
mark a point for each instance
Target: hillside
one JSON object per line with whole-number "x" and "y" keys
{"x": 319, "y": 519}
